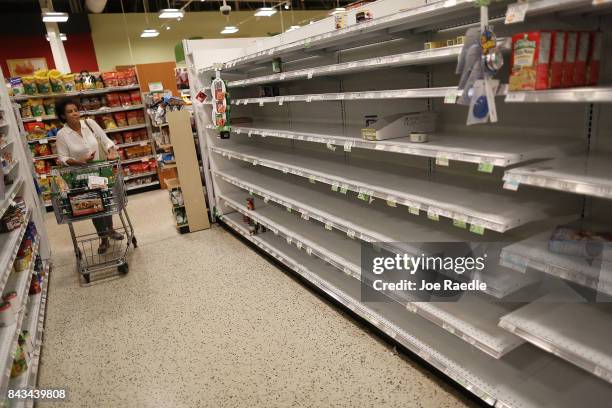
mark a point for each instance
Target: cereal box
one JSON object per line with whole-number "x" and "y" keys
{"x": 530, "y": 61}
{"x": 569, "y": 64}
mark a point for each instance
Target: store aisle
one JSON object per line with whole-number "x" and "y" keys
{"x": 201, "y": 320}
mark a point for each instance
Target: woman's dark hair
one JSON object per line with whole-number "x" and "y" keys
{"x": 60, "y": 107}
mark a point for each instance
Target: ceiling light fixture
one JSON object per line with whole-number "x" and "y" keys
{"x": 171, "y": 13}
{"x": 149, "y": 33}
{"x": 54, "y": 17}
{"x": 229, "y": 30}
{"x": 338, "y": 10}
{"x": 265, "y": 12}
{"x": 63, "y": 37}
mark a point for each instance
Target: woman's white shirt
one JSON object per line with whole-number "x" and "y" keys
{"x": 70, "y": 145}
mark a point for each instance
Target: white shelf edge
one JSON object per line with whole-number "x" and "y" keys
{"x": 129, "y": 144}
{"x": 134, "y": 176}
{"x": 121, "y": 129}
{"x": 139, "y": 186}
{"x": 77, "y": 93}
{"x": 591, "y": 94}
{"x": 137, "y": 159}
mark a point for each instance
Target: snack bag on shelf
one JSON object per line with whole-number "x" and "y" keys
{"x": 69, "y": 82}
{"x": 55, "y": 79}
{"x": 26, "y": 109}
{"x": 132, "y": 117}
{"x": 99, "y": 81}
{"x": 125, "y": 98}
{"x": 121, "y": 78}
{"x": 109, "y": 78}
{"x": 49, "y": 105}
{"x": 113, "y": 100}
{"x": 42, "y": 82}
{"x": 141, "y": 117}
{"x": 135, "y": 97}
{"x": 120, "y": 119}
{"x": 88, "y": 81}
{"x": 36, "y": 130}
{"x": 40, "y": 167}
{"x": 116, "y": 138}
{"x": 530, "y": 61}
{"x": 38, "y": 108}
{"x": 29, "y": 85}
{"x": 108, "y": 121}
{"x": 78, "y": 82}
{"x": 17, "y": 86}
{"x": 128, "y": 136}
{"x": 94, "y": 103}
{"x": 130, "y": 77}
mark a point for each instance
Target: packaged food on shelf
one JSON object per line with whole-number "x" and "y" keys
{"x": 135, "y": 97}
{"x": 87, "y": 80}
{"x": 120, "y": 119}
{"x": 42, "y": 82}
{"x": 12, "y": 298}
{"x": 117, "y": 138}
{"x": 56, "y": 81}
{"x": 17, "y": 86}
{"x": 585, "y": 240}
{"x": 69, "y": 82}
{"x": 109, "y": 78}
{"x": 140, "y": 118}
{"x": 132, "y": 118}
{"x": 569, "y": 60}
{"x": 95, "y": 103}
{"x": 125, "y": 98}
{"x": 49, "y": 105}
{"x": 38, "y": 109}
{"x": 20, "y": 363}
{"x": 29, "y": 85}
{"x": 595, "y": 46}
{"x": 108, "y": 121}
{"x": 7, "y": 316}
{"x": 530, "y": 61}
{"x": 35, "y": 286}
{"x": 113, "y": 100}
{"x": 556, "y": 58}
{"x": 363, "y": 16}
{"x": 26, "y": 109}
{"x": 12, "y": 219}
{"x": 128, "y": 137}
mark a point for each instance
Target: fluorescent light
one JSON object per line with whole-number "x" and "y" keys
{"x": 230, "y": 30}
{"x": 63, "y": 37}
{"x": 149, "y": 33}
{"x": 265, "y": 12}
{"x": 171, "y": 13}
{"x": 54, "y": 17}
{"x": 338, "y": 10}
{"x": 293, "y": 28}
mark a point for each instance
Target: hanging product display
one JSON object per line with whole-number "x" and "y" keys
{"x": 221, "y": 106}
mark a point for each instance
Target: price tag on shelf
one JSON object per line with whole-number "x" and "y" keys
{"x": 350, "y": 234}
{"x": 309, "y": 250}
{"x": 380, "y": 147}
{"x": 289, "y": 240}
{"x": 274, "y": 230}
{"x": 143, "y": 143}
{"x": 285, "y": 170}
{"x": 43, "y": 176}
{"x": 331, "y": 147}
{"x": 39, "y": 119}
{"x": 363, "y": 196}
{"x": 391, "y": 201}
{"x": 335, "y": 186}
{"x": 485, "y": 167}
{"x": 270, "y": 51}
{"x": 238, "y": 131}
{"x": 433, "y": 215}
{"x": 250, "y": 133}
{"x": 511, "y": 184}
{"x": 451, "y": 96}
{"x": 310, "y": 74}
{"x": 255, "y": 162}
{"x": 282, "y": 76}
{"x": 442, "y": 160}
{"x": 312, "y": 179}
{"x": 328, "y": 226}
{"x": 251, "y": 192}
{"x": 448, "y": 328}
{"x": 344, "y": 188}
{"x": 460, "y": 221}
{"x": 305, "y": 216}
{"x": 516, "y": 12}
{"x": 298, "y": 245}
{"x": 348, "y": 146}
{"x": 261, "y": 103}
{"x": 413, "y": 210}
{"x": 288, "y": 208}
{"x": 477, "y": 229}
{"x": 309, "y": 99}
{"x": 281, "y": 101}
{"x": 144, "y": 160}
{"x": 43, "y": 141}
{"x": 266, "y": 199}
{"x": 515, "y": 96}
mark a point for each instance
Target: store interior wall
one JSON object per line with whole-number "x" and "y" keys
{"x": 117, "y": 41}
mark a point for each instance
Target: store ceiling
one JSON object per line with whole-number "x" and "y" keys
{"x": 139, "y": 6}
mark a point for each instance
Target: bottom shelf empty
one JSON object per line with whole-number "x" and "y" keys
{"x": 526, "y": 377}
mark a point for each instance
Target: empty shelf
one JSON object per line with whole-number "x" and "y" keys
{"x": 577, "y": 332}
{"x": 589, "y": 175}
{"x": 448, "y": 196}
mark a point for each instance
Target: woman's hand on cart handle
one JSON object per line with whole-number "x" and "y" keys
{"x": 112, "y": 154}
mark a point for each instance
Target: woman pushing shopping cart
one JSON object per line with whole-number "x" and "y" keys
{"x": 90, "y": 186}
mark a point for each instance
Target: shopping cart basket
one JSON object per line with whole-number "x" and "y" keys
{"x": 91, "y": 191}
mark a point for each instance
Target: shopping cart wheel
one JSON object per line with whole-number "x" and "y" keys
{"x": 123, "y": 268}
{"x": 86, "y": 277}
{"x": 134, "y": 242}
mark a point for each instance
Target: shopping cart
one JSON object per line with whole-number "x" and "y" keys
{"x": 86, "y": 192}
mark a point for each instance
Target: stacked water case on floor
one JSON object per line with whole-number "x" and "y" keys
{"x": 300, "y": 179}
{"x": 24, "y": 260}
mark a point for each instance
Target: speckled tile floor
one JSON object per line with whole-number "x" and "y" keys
{"x": 201, "y": 320}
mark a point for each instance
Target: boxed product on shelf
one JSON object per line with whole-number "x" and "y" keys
{"x": 595, "y": 46}
{"x": 569, "y": 62}
{"x": 400, "y": 125}
{"x": 582, "y": 54}
{"x": 556, "y": 59}
{"x": 530, "y": 61}
{"x": 16, "y": 86}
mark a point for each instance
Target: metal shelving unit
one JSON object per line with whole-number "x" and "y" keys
{"x": 324, "y": 193}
